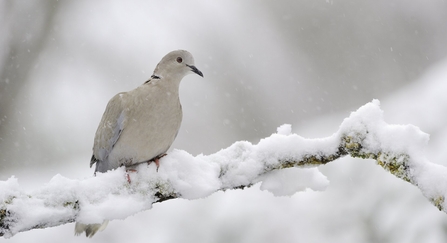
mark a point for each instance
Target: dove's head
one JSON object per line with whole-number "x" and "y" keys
{"x": 176, "y": 65}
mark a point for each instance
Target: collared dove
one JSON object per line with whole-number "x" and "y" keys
{"x": 140, "y": 125}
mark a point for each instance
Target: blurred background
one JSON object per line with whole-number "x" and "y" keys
{"x": 308, "y": 63}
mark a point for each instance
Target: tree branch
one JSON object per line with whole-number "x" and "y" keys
{"x": 398, "y": 149}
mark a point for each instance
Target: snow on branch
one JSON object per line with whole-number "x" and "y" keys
{"x": 397, "y": 148}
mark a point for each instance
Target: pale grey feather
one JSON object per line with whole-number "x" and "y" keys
{"x": 140, "y": 125}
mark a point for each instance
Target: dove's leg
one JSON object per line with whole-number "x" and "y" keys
{"x": 156, "y": 160}
{"x": 127, "y": 174}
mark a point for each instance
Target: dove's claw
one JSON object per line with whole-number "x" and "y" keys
{"x": 127, "y": 174}
{"x": 156, "y": 160}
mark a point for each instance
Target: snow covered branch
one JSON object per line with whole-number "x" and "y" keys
{"x": 397, "y": 148}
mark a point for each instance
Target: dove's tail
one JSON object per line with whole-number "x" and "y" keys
{"x": 90, "y": 229}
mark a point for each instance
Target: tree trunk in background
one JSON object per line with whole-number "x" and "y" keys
{"x": 26, "y": 28}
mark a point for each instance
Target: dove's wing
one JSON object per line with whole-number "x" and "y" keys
{"x": 109, "y": 130}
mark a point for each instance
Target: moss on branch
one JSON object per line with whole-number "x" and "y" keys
{"x": 396, "y": 163}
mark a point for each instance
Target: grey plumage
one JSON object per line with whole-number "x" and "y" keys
{"x": 140, "y": 125}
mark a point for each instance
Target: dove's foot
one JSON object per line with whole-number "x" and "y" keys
{"x": 127, "y": 174}
{"x": 156, "y": 160}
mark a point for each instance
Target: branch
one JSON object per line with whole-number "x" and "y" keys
{"x": 397, "y": 148}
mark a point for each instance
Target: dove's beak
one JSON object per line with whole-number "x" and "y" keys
{"x": 195, "y": 70}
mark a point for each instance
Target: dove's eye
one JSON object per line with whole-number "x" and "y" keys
{"x": 179, "y": 60}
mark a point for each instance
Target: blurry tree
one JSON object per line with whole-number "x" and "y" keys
{"x": 361, "y": 49}
{"x": 26, "y": 27}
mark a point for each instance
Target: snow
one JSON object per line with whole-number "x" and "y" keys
{"x": 9, "y": 188}
{"x": 110, "y": 196}
{"x": 289, "y": 181}
{"x": 368, "y": 122}
{"x": 395, "y": 141}
{"x": 431, "y": 180}
{"x": 191, "y": 177}
{"x": 285, "y": 129}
